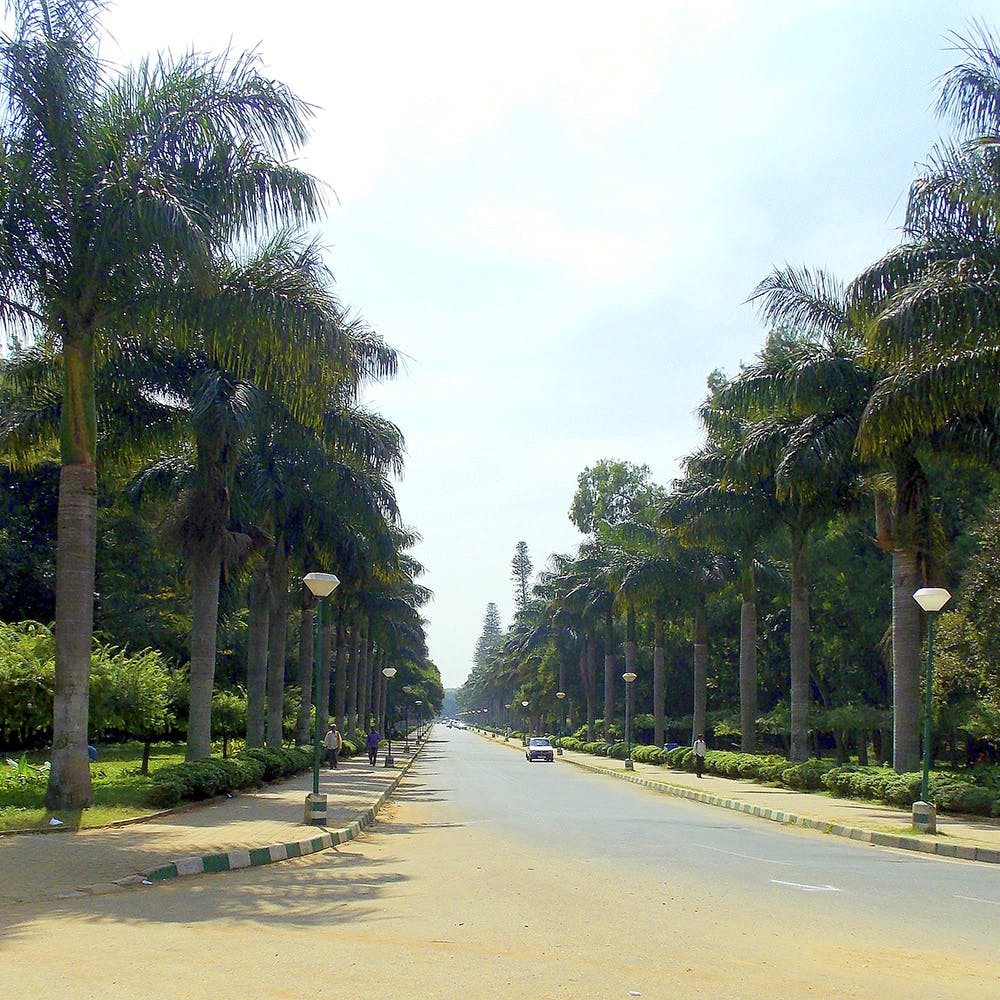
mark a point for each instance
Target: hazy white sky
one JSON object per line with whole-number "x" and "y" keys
{"x": 556, "y": 211}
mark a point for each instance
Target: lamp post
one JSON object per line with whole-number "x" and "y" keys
{"x": 388, "y": 673}
{"x": 417, "y": 705}
{"x": 320, "y": 585}
{"x": 932, "y": 600}
{"x": 524, "y": 705}
{"x": 628, "y": 677}
{"x": 560, "y": 695}
{"x": 506, "y": 735}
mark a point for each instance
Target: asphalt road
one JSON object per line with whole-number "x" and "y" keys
{"x": 587, "y": 817}
{"x": 491, "y": 877}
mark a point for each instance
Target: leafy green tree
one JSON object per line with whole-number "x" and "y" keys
{"x": 608, "y": 493}
{"x": 229, "y": 715}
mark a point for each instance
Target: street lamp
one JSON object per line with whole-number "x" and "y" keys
{"x": 524, "y": 705}
{"x": 628, "y": 677}
{"x": 932, "y": 600}
{"x": 388, "y": 673}
{"x": 320, "y": 585}
{"x": 560, "y": 695}
{"x": 417, "y": 705}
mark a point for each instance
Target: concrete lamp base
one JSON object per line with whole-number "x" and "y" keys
{"x": 629, "y": 766}
{"x": 390, "y": 761}
{"x": 316, "y": 809}
{"x": 924, "y": 817}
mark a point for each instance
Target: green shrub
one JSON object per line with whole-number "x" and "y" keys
{"x": 202, "y": 779}
{"x": 961, "y": 797}
{"x": 676, "y": 757}
{"x": 648, "y": 754}
{"x": 902, "y": 790}
{"x": 773, "y": 769}
{"x": 618, "y": 751}
{"x": 807, "y": 776}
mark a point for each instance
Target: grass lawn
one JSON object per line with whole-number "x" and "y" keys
{"x": 120, "y": 791}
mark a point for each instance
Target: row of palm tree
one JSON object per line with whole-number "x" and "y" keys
{"x": 866, "y": 397}
{"x": 153, "y": 256}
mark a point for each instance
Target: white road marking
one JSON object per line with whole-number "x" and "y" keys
{"x": 746, "y": 857}
{"x": 978, "y": 899}
{"x": 807, "y": 888}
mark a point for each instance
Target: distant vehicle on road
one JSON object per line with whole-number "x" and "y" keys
{"x": 539, "y": 748}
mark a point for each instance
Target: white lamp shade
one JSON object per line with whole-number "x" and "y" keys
{"x": 932, "y": 598}
{"x": 629, "y": 677}
{"x": 321, "y": 584}
{"x": 389, "y": 672}
{"x": 560, "y": 695}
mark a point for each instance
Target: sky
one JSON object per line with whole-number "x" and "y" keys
{"x": 556, "y": 212}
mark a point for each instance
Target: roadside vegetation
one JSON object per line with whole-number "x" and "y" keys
{"x": 182, "y": 430}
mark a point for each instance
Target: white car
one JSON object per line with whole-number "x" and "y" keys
{"x": 539, "y": 748}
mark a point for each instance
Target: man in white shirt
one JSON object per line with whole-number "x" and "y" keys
{"x": 700, "y": 749}
{"x": 333, "y": 742}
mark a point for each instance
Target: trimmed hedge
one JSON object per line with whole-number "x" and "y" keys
{"x": 879, "y": 784}
{"x": 202, "y": 779}
{"x": 949, "y": 792}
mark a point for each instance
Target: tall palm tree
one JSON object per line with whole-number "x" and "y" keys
{"x": 789, "y": 407}
{"x": 713, "y": 509}
{"x": 905, "y": 523}
{"x": 112, "y": 189}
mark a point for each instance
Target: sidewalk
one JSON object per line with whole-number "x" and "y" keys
{"x": 235, "y": 832}
{"x": 967, "y": 838}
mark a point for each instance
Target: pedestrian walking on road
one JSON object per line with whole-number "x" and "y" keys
{"x": 700, "y": 749}
{"x": 333, "y": 742}
{"x": 372, "y": 741}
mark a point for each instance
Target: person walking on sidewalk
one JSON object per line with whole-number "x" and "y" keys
{"x": 333, "y": 742}
{"x": 372, "y": 741}
{"x": 700, "y": 749}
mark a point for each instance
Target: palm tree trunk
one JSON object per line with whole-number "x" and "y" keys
{"x": 905, "y": 662}
{"x": 352, "y": 669}
{"x": 69, "y": 779}
{"x": 257, "y": 630}
{"x": 277, "y": 646}
{"x": 307, "y": 644}
{"x": 799, "y": 649}
{"x": 588, "y": 680}
{"x": 326, "y": 639}
{"x": 609, "y": 677}
{"x": 364, "y": 675}
{"x": 748, "y": 665}
{"x": 206, "y": 572}
{"x": 700, "y": 670}
{"x": 659, "y": 676}
{"x": 340, "y": 681}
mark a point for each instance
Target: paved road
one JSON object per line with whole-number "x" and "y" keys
{"x": 590, "y": 817}
{"x": 490, "y": 877}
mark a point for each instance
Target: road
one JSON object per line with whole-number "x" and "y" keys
{"x": 492, "y": 877}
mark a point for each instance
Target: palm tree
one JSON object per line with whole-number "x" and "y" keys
{"x": 714, "y": 510}
{"x": 112, "y": 190}
{"x": 904, "y": 519}
{"x": 789, "y": 408}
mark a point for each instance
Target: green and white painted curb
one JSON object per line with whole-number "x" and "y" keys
{"x": 253, "y": 857}
{"x": 960, "y": 852}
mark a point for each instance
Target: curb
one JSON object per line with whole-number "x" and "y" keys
{"x": 254, "y": 857}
